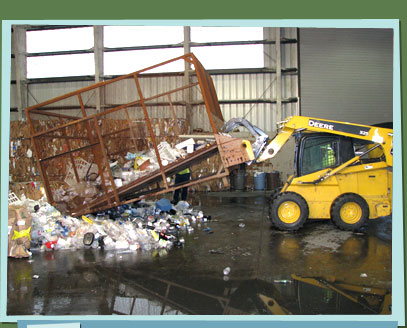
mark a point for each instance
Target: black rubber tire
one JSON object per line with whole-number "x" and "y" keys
{"x": 273, "y": 196}
{"x": 289, "y": 197}
{"x": 336, "y": 212}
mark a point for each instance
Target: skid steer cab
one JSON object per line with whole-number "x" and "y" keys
{"x": 342, "y": 171}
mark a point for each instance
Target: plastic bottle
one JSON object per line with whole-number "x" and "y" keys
{"x": 95, "y": 244}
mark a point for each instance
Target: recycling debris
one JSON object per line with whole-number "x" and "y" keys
{"x": 282, "y": 281}
{"x": 125, "y": 170}
{"x": 226, "y": 271}
{"x": 216, "y": 251}
{"x": 145, "y": 225}
{"x": 19, "y": 229}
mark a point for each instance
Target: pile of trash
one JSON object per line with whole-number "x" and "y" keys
{"x": 145, "y": 225}
{"x": 141, "y": 163}
{"x": 128, "y": 169}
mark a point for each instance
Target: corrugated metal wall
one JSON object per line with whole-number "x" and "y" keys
{"x": 347, "y": 74}
{"x": 260, "y": 86}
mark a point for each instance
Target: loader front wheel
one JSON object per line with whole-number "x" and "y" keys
{"x": 350, "y": 212}
{"x": 289, "y": 211}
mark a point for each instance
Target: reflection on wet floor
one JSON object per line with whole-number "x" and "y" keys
{"x": 318, "y": 270}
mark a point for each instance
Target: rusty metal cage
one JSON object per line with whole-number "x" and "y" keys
{"x": 76, "y": 154}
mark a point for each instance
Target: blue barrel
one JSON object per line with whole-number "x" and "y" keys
{"x": 259, "y": 180}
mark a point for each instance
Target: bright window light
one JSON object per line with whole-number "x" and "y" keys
{"x": 224, "y": 57}
{"x": 58, "y": 66}
{"x": 218, "y": 34}
{"x": 128, "y": 36}
{"x": 124, "y": 62}
{"x": 59, "y": 40}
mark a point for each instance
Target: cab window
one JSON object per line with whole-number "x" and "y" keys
{"x": 319, "y": 153}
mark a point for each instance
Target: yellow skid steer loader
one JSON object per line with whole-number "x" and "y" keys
{"x": 342, "y": 171}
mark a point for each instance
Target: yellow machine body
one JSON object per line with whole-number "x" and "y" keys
{"x": 343, "y": 171}
{"x": 372, "y": 182}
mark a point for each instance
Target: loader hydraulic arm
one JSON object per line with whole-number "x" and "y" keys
{"x": 261, "y": 137}
{"x": 377, "y": 135}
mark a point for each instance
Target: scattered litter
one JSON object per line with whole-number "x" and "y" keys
{"x": 282, "y": 281}
{"x": 182, "y": 205}
{"x": 207, "y": 230}
{"x": 88, "y": 238}
{"x": 216, "y": 251}
{"x": 185, "y": 144}
{"x": 19, "y": 231}
{"x": 36, "y": 276}
{"x": 163, "y": 205}
{"x": 226, "y": 271}
{"x": 247, "y": 254}
{"x": 13, "y": 199}
{"x": 241, "y": 225}
{"x": 142, "y": 226}
{"x": 86, "y": 219}
{"x": 363, "y": 275}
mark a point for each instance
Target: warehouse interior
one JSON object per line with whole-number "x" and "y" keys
{"x": 216, "y": 251}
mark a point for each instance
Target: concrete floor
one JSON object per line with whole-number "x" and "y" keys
{"x": 190, "y": 280}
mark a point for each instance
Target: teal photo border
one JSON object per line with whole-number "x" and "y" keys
{"x": 398, "y": 307}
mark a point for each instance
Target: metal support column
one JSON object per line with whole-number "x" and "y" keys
{"x": 20, "y": 64}
{"x": 278, "y": 72}
{"x": 187, "y": 78}
{"x": 99, "y": 72}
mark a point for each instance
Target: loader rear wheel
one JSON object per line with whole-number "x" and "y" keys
{"x": 289, "y": 211}
{"x": 350, "y": 212}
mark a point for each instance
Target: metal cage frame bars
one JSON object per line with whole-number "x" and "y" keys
{"x": 96, "y": 142}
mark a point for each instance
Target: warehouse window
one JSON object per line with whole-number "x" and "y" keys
{"x": 212, "y": 56}
{"x": 219, "y": 34}
{"x": 123, "y": 62}
{"x": 58, "y": 66}
{"x": 224, "y": 57}
{"x": 129, "y": 36}
{"x": 228, "y": 56}
{"x": 60, "y": 40}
